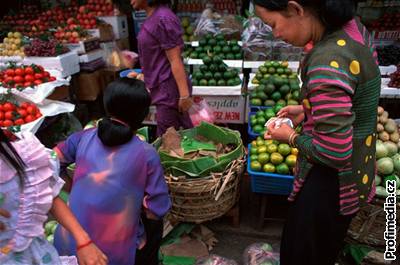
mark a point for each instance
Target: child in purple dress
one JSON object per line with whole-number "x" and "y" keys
{"x": 160, "y": 46}
{"x": 118, "y": 177}
{"x": 29, "y": 188}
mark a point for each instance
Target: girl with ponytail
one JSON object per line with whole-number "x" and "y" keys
{"x": 118, "y": 179}
{"x": 29, "y": 188}
{"x": 339, "y": 100}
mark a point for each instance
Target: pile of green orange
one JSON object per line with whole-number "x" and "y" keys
{"x": 275, "y": 88}
{"x": 272, "y": 157}
{"x": 257, "y": 121}
{"x": 273, "y": 68}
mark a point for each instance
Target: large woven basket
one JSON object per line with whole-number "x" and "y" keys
{"x": 369, "y": 225}
{"x": 203, "y": 199}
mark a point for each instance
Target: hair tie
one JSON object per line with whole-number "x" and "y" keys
{"x": 120, "y": 122}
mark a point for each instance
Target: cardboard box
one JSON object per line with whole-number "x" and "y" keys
{"x": 67, "y": 63}
{"x": 119, "y": 25}
{"x": 85, "y": 46}
{"x": 60, "y": 93}
{"x": 227, "y": 109}
{"x": 104, "y": 32}
{"x": 91, "y": 56}
{"x": 123, "y": 44}
{"x": 88, "y": 86}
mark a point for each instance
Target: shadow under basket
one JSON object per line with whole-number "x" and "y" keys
{"x": 204, "y": 199}
{"x": 369, "y": 225}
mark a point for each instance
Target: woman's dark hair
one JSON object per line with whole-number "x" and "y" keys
{"x": 127, "y": 103}
{"x": 333, "y": 13}
{"x": 158, "y": 2}
{"x": 8, "y": 152}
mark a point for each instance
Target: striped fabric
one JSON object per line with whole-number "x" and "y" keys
{"x": 340, "y": 93}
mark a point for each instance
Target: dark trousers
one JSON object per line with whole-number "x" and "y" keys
{"x": 314, "y": 230}
{"x": 148, "y": 255}
{"x": 170, "y": 117}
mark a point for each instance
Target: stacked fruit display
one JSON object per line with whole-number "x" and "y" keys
{"x": 216, "y": 45}
{"x": 13, "y": 114}
{"x": 275, "y": 90}
{"x": 272, "y": 157}
{"x": 24, "y": 76}
{"x": 99, "y": 7}
{"x": 215, "y": 72}
{"x": 386, "y": 127}
{"x": 395, "y": 78}
{"x": 389, "y": 21}
{"x": 45, "y": 48}
{"x": 273, "y": 68}
{"x": 188, "y": 30}
{"x": 12, "y": 45}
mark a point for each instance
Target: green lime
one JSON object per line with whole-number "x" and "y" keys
{"x": 260, "y": 113}
{"x": 255, "y": 165}
{"x": 256, "y": 102}
{"x": 254, "y": 158}
{"x": 261, "y": 149}
{"x": 282, "y": 169}
{"x": 276, "y": 158}
{"x": 258, "y": 128}
{"x": 284, "y": 149}
{"x": 269, "y": 168}
{"x": 291, "y": 160}
{"x": 272, "y": 148}
{"x": 261, "y": 121}
{"x": 263, "y": 158}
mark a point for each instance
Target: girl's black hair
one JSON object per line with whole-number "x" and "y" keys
{"x": 8, "y": 152}
{"x": 126, "y": 100}
{"x": 158, "y": 2}
{"x": 333, "y": 13}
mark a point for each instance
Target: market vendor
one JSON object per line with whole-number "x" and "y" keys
{"x": 160, "y": 46}
{"x": 340, "y": 93}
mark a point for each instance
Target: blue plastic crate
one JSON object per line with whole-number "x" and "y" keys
{"x": 269, "y": 183}
{"x": 257, "y": 108}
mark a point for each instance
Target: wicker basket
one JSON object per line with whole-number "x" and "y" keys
{"x": 204, "y": 199}
{"x": 369, "y": 226}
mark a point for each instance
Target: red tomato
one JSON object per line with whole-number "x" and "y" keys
{"x": 29, "y": 71}
{"x": 29, "y": 118}
{"x": 1, "y": 108}
{"x": 1, "y": 124}
{"x": 9, "y": 80}
{"x": 38, "y": 76}
{"x": 22, "y": 112}
{"x": 46, "y": 74}
{"x": 28, "y": 84}
{"x": 10, "y": 72}
{"x": 1, "y": 115}
{"x": 19, "y": 71}
{"x": 24, "y": 105}
{"x": 29, "y": 78}
{"x": 8, "y": 106}
{"x": 9, "y": 115}
{"x": 31, "y": 110}
{"x": 38, "y": 115}
{"x": 37, "y": 82}
{"x": 19, "y": 122}
{"x": 7, "y": 123}
{"x": 52, "y": 78}
{"x": 18, "y": 79}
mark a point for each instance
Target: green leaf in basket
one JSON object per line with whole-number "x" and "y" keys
{"x": 189, "y": 145}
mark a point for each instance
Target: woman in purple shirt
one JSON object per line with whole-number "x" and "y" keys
{"x": 160, "y": 46}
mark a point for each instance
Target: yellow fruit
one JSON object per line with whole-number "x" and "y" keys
{"x": 291, "y": 160}
{"x": 254, "y": 143}
{"x": 268, "y": 142}
{"x": 10, "y": 35}
{"x": 260, "y": 142}
{"x": 261, "y": 149}
{"x": 17, "y": 35}
{"x": 269, "y": 168}
{"x": 5, "y": 40}
{"x": 263, "y": 158}
{"x": 295, "y": 151}
{"x": 17, "y": 41}
{"x": 272, "y": 148}
{"x": 13, "y": 47}
{"x": 255, "y": 165}
{"x": 276, "y": 158}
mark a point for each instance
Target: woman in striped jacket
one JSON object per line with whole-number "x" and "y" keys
{"x": 340, "y": 93}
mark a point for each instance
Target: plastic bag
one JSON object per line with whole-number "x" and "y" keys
{"x": 208, "y": 23}
{"x": 200, "y": 111}
{"x": 257, "y": 40}
{"x": 260, "y": 254}
{"x": 231, "y": 27}
{"x": 215, "y": 260}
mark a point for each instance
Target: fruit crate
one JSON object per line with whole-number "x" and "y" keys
{"x": 252, "y": 135}
{"x": 269, "y": 183}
